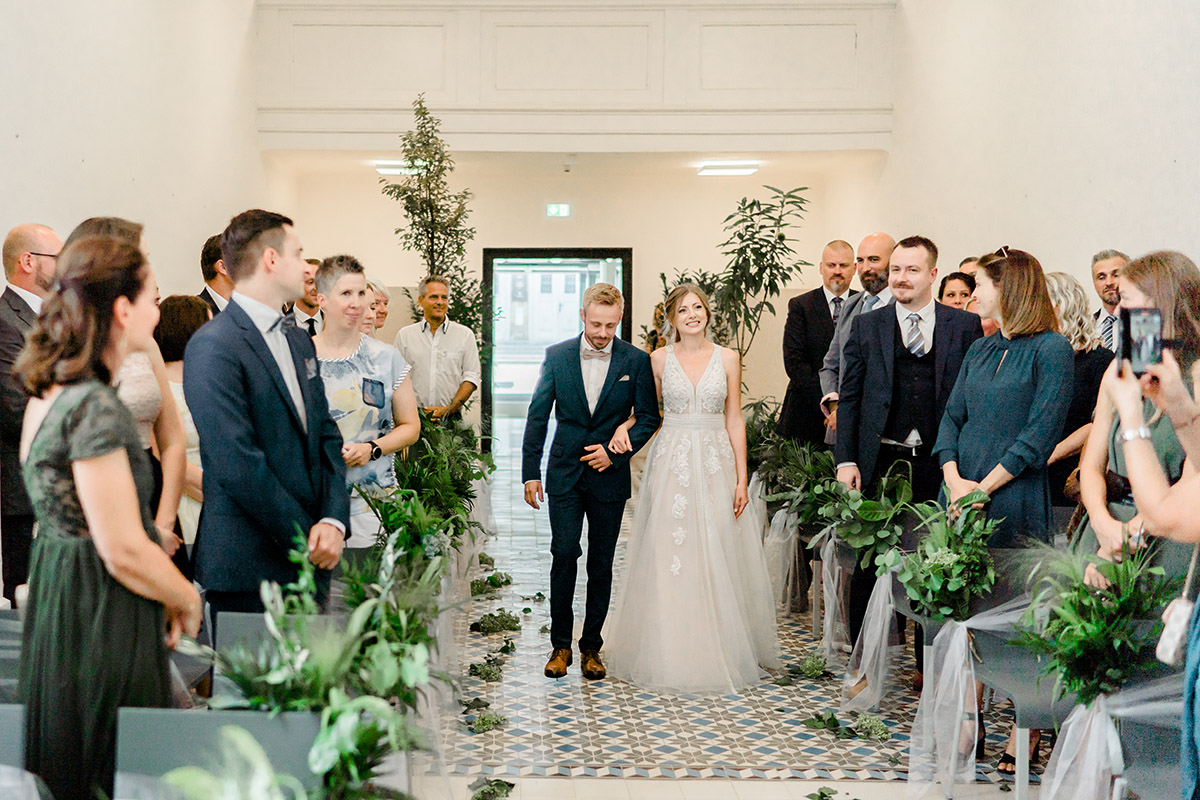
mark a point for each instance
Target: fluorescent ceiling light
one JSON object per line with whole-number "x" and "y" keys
{"x": 391, "y": 166}
{"x": 727, "y": 168}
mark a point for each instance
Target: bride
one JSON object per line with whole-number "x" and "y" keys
{"x": 694, "y": 612}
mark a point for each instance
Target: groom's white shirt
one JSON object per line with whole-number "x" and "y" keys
{"x": 595, "y": 370}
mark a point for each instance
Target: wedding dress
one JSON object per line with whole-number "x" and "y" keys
{"x": 694, "y": 611}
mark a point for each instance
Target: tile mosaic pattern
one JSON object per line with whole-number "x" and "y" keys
{"x": 571, "y": 727}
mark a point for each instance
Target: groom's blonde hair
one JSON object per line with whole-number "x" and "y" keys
{"x": 603, "y": 293}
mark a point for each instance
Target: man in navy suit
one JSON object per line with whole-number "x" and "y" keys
{"x": 217, "y": 285}
{"x": 272, "y": 456}
{"x": 806, "y": 337}
{"x": 593, "y": 382}
{"x": 898, "y": 367}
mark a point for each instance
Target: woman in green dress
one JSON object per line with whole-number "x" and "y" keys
{"x": 105, "y": 601}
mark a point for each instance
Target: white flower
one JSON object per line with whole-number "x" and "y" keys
{"x": 676, "y": 565}
{"x": 679, "y": 535}
{"x": 679, "y": 506}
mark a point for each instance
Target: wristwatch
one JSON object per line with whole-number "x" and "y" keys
{"x": 376, "y": 451}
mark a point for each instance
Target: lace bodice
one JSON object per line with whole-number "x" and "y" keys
{"x": 708, "y": 395}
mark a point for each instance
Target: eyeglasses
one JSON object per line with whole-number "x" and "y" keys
{"x": 45, "y": 255}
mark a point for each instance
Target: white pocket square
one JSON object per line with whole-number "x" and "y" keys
{"x": 622, "y": 378}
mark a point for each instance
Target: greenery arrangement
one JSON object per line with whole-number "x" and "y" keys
{"x": 871, "y": 527}
{"x": 491, "y": 584}
{"x": 951, "y": 564}
{"x": 812, "y": 667}
{"x": 865, "y": 726}
{"x": 488, "y": 721}
{"x": 761, "y": 420}
{"x": 486, "y": 561}
{"x": 761, "y": 261}
{"x": 501, "y": 620}
{"x": 244, "y": 773}
{"x": 1095, "y": 640}
{"x": 800, "y": 478}
{"x": 490, "y": 789}
{"x": 436, "y": 226}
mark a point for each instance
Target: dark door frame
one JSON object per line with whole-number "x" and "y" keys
{"x": 490, "y": 254}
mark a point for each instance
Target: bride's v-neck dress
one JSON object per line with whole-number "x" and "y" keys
{"x": 694, "y": 611}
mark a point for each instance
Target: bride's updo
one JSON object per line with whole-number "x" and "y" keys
{"x": 671, "y": 305}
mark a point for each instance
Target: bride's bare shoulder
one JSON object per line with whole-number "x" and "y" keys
{"x": 659, "y": 357}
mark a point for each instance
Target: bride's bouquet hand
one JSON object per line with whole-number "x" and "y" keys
{"x": 741, "y": 498}
{"x": 620, "y": 441}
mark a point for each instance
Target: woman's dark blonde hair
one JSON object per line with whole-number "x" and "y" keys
{"x": 107, "y": 227}
{"x": 69, "y": 338}
{"x": 1172, "y": 282}
{"x": 1025, "y": 307}
{"x": 671, "y": 306}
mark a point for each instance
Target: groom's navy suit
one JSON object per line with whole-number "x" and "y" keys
{"x": 264, "y": 472}
{"x": 576, "y": 490}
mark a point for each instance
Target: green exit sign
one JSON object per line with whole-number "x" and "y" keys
{"x": 558, "y": 209}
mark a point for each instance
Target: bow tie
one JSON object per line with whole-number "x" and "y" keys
{"x": 603, "y": 355}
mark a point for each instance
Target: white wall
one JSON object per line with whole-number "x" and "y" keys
{"x": 1062, "y": 128}
{"x": 134, "y": 108}
{"x": 655, "y": 204}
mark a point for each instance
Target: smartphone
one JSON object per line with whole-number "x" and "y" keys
{"x": 1141, "y": 338}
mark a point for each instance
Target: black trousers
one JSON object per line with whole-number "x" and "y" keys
{"x": 926, "y": 484}
{"x": 16, "y": 541}
{"x": 567, "y": 512}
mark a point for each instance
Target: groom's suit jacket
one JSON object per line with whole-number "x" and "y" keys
{"x": 628, "y": 388}
{"x": 264, "y": 474}
{"x": 867, "y": 370}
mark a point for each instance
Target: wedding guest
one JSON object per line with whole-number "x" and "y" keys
{"x": 1007, "y": 411}
{"x": 180, "y": 317}
{"x": 811, "y": 320}
{"x": 1091, "y": 359}
{"x": 306, "y": 311}
{"x": 969, "y": 265}
{"x": 370, "y": 304}
{"x": 29, "y": 255}
{"x": 272, "y": 455}
{"x": 444, "y": 355}
{"x": 956, "y": 290}
{"x": 1169, "y": 282}
{"x": 382, "y": 298}
{"x": 1106, "y": 270}
{"x": 105, "y": 602}
{"x": 369, "y": 392}
{"x": 142, "y": 385}
{"x": 217, "y": 285}
{"x": 872, "y": 260}
{"x": 1166, "y": 508}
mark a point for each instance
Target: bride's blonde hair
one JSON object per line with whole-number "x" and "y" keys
{"x": 671, "y": 306}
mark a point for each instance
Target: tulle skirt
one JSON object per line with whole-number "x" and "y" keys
{"x": 694, "y": 611}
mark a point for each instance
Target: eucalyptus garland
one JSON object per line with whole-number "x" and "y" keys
{"x": 1095, "y": 640}
{"x": 951, "y": 564}
{"x": 801, "y": 477}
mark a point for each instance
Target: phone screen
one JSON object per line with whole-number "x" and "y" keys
{"x": 1141, "y": 337}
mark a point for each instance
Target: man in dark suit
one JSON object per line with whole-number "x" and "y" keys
{"x": 217, "y": 284}
{"x": 898, "y": 367}
{"x": 593, "y": 382}
{"x": 29, "y": 256}
{"x": 272, "y": 456}
{"x": 806, "y": 337}
{"x": 1106, "y": 268}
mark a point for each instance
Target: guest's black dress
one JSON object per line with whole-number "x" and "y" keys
{"x": 1008, "y": 407}
{"x": 1089, "y": 371}
{"x": 90, "y": 645}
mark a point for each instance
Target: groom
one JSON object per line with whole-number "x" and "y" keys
{"x": 594, "y": 382}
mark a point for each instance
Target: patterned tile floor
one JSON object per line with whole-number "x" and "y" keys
{"x": 572, "y": 727}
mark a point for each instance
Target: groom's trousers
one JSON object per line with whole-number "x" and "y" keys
{"x": 567, "y": 512}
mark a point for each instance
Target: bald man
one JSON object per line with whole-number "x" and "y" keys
{"x": 29, "y": 254}
{"x": 872, "y": 258}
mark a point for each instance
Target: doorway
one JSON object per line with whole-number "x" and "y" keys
{"x": 531, "y": 301}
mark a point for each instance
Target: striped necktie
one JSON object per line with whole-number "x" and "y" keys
{"x": 1106, "y": 331}
{"x": 837, "y": 309}
{"x": 914, "y": 341}
{"x": 869, "y": 302}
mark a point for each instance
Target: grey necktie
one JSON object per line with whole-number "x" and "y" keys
{"x": 869, "y": 302}
{"x": 914, "y": 341}
{"x": 837, "y": 309}
{"x": 1106, "y": 331}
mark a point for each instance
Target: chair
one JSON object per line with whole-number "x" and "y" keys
{"x": 154, "y": 741}
{"x": 12, "y": 742}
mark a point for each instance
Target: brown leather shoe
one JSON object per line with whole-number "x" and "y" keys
{"x": 560, "y": 659}
{"x": 593, "y": 667}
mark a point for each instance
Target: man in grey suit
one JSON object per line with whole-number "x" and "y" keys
{"x": 30, "y": 252}
{"x": 874, "y": 251}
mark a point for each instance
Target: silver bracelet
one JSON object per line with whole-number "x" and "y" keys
{"x": 1128, "y": 435}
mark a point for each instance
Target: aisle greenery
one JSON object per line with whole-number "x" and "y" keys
{"x": 871, "y": 527}
{"x": 1095, "y": 640}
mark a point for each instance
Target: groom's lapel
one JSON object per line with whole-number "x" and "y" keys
{"x": 616, "y": 368}
{"x": 575, "y": 373}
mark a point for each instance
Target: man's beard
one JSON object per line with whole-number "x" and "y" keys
{"x": 874, "y": 284}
